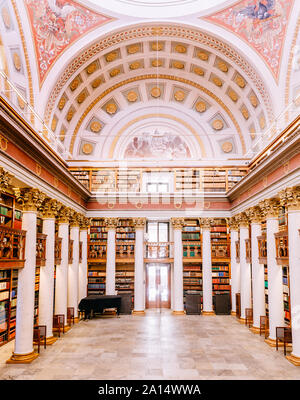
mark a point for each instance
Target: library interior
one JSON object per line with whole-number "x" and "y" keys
{"x": 149, "y": 189}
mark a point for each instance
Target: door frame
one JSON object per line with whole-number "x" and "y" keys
{"x": 157, "y": 278}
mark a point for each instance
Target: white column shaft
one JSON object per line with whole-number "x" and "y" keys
{"x": 46, "y": 291}
{"x": 82, "y": 287}
{"x": 275, "y": 289}
{"x": 61, "y": 281}
{"x": 294, "y": 270}
{"x": 139, "y": 270}
{"x": 235, "y": 269}
{"x": 245, "y": 272}
{"x": 26, "y": 284}
{"x": 178, "y": 271}
{"x": 73, "y": 272}
{"x": 206, "y": 270}
{"x": 111, "y": 262}
{"x": 258, "y": 279}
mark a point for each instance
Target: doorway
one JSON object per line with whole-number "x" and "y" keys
{"x": 158, "y": 285}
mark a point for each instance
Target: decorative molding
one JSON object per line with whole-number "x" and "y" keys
{"x": 232, "y": 223}
{"x": 254, "y": 214}
{"x": 30, "y": 199}
{"x": 206, "y": 222}
{"x": 242, "y": 220}
{"x": 50, "y": 208}
{"x": 269, "y": 207}
{"x": 5, "y": 179}
{"x": 290, "y": 197}
{"x": 139, "y": 223}
{"x": 177, "y": 223}
{"x": 64, "y": 215}
{"x": 111, "y": 223}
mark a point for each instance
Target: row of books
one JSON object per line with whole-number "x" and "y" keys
{"x": 4, "y": 285}
{"x": 4, "y": 295}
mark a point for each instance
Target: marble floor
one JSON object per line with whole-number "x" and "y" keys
{"x": 158, "y": 346}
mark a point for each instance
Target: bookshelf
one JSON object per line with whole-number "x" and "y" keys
{"x": 96, "y": 279}
{"x": 286, "y": 294}
{"x": 262, "y": 257}
{"x": 103, "y": 180}
{"x": 220, "y": 253}
{"x": 97, "y": 240}
{"x": 36, "y": 296}
{"x": 6, "y": 210}
{"x": 13, "y": 303}
{"x": 83, "y": 176}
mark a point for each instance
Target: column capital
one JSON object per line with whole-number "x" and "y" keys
{"x": 290, "y": 197}
{"x": 75, "y": 219}
{"x": 205, "y": 223}
{"x": 50, "y": 208}
{"x": 254, "y": 214}
{"x": 85, "y": 222}
{"x": 30, "y": 199}
{"x": 232, "y": 223}
{"x": 242, "y": 220}
{"x": 64, "y": 215}
{"x": 111, "y": 223}
{"x": 139, "y": 223}
{"x": 269, "y": 207}
{"x": 177, "y": 223}
{"x": 5, "y": 179}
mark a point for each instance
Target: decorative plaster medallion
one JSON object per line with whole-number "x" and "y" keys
{"x": 70, "y": 115}
{"x": 217, "y": 81}
{"x": 91, "y": 68}
{"x": 227, "y": 147}
{"x": 17, "y": 61}
{"x": 87, "y": 148}
{"x": 110, "y": 205}
{"x": 179, "y": 95}
{"x": 157, "y": 46}
{"x": 55, "y": 182}
{"x": 155, "y": 92}
{"x": 200, "y": 106}
{"x": 114, "y": 72}
{"x": 3, "y": 143}
{"x": 132, "y": 96}
{"x": 222, "y": 66}
{"x": 134, "y": 48}
{"x": 180, "y": 48}
{"x": 253, "y": 100}
{"x": 75, "y": 83}
{"x": 97, "y": 82}
{"x": 178, "y": 64}
{"x": 240, "y": 81}
{"x": 81, "y": 97}
{"x": 262, "y": 122}
{"x": 286, "y": 167}
{"x": 62, "y": 103}
{"x": 202, "y": 55}
{"x": 6, "y": 17}
{"x": 218, "y": 124}
{"x": 199, "y": 71}
{"x": 135, "y": 65}
{"x": 111, "y": 108}
{"x": 157, "y": 63}
{"x": 54, "y": 124}
{"x": 38, "y": 169}
{"x": 233, "y": 95}
{"x": 245, "y": 112}
{"x": 96, "y": 126}
{"x": 111, "y": 56}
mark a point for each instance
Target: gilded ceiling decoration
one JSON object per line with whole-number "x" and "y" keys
{"x": 55, "y": 25}
{"x": 261, "y": 24}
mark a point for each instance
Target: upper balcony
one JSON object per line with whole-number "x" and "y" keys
{"x": 12, "y": 248}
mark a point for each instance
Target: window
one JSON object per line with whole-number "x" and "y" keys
{"x": 157, "y": 182}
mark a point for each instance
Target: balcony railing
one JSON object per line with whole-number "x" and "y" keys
{"x": 237, "y": 250}
{"x": 97, "y": 250}
{"x": 192, "y": 249}
{"x": 262, "y": 249}
{"x": 41, "y": 249}
{"x": 248, "y": 250}
{"x": 220, "y": 250}
{"x": 71, "y": 242}
{"x": 158, "y": 250}
{"x": 12, "y": 247}
{"x": 57, "y": 250}
{"x": 125, "y": 250}
{"x": 282, "y": 247}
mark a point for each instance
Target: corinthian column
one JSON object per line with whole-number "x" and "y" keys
{"x": 258, "y": 279}
{"x": 73, "y": 272}
{"x": 235, "y": 266}
{"x": 178, "y": 308}
{"x": 139, "y": 287}
{"x": 293, "y": 204}
{"x": 111, "y": 224}
{"x": 245, "y": 266}
{"x": 30, "y": 201}
{"x": 50, "y": 209}
{"x": 82, "y": 287}
{"x": 206, "y": 267}
{"x": 269, "y": 208}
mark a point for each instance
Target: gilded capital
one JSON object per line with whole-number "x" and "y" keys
{"x": 206, "y": 222}
{"x": 254, "y": 214}
{"x": 139, "y": 223}
{"x": 50, "y": 208}
{"x": 30, "y": 199}
{"x": 111, "y": 223}
{"x": 85, "y": 223}
{"x": 269, "y": 207}
{"x": 290, "y": 197}
{"x": 64, "y": 214}
{"x": 242, "y": 220}
{"x": 75, "y": 219}
{"x": 232, "y": 223}
{"x": 5, "y": 179}
{"x": 177, "y": 223}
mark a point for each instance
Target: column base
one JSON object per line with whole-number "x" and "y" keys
{"x": 67, "y": 328}
{"x": 76, "y": 320}
{"x": 254, "y": 329}
{"x": 22, "y": 358}
{"x": 178, "y": 312}
{"x": 272, "y": 342}
{"x": 206, "y": 313}
{"x": 293, "y": 359}
{"x": 233, "y": 313}
{"x": 50, "y": 340}
{"x": 242, "y": 320}
{"x": 138, "y": 312}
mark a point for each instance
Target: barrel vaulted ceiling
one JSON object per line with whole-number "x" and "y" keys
{"x": 114, "y": 82}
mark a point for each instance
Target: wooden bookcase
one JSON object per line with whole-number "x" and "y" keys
{"x": 220, "y": 253}
{"x": 36, "y": 296}
{"x": 96, "y": 278}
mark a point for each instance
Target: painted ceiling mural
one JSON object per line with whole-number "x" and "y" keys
{"x": 55, "y": 25}
{"x": 261, "y": 23}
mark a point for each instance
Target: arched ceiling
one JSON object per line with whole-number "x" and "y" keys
{"x": 108, "y": 79}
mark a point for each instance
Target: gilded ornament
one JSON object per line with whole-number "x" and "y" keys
{"x": 54, "y": 124}
{"x": 21, "y": 102}
{"x": 6, "y": 17}
{"x": 114, "y": 72}
{"x": 5, "y": 179}
{"x": 62, "y": 103}
{"x": 111, "y": 56}
{"x": 200, "y": 106}
{"x": 240, "y": 81}
{"x": 262, "y": 122}
{"x": 91, "y": 68}
{"x": 217, "y": 81}
{"x": 70, "y": 115}
{"x": 218, "y": 124}
{"x": 202, "y": 55}
{"x": 253, "y": 100}
{"x": 180, "y": 48}
{"x": 87, "y": 148}
{"x": 157, "y": 46}
{"x": 17, "y": 61}
{"x": 132, "y": 96}
{"x": 96, "y": 126}
{"x": 74, "y": 84}
{"x": 227, "y": 147}
{"x": 111, "y": 108}
{"x": 97, "y": 82}
{"x": 81, "y": 97}
{"x": 252, "y": 132}
{"x": 135, "y": 65}
{"x": 62, "y": 134}
{"x": 155, "y": 92}
{"x": 245, "y": 112}
{"x": 199, "y": 71}
{"x": 178, "y": 64}
{"x": 179, "y": 95}
{"x": 157, "y": 63}
{"x": 233, "y": 95}
{"x": 222, "y": 66}
{"x": 133, "y": 49}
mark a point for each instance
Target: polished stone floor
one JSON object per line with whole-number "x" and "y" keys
{"x": 157, "y": 346}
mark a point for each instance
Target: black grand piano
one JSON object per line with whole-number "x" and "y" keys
{"x": 94, "y": 304}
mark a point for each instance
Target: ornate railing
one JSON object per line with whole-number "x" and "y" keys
{"x": 125, "y": 249}
{"x": 237, "y": 250}
{"x": 57, "y": 250}
{"x": 282, "y": 247}
{"x": 12, "y": 247}
{"x": 158, "y": 250}
{"x": 220, "y": 250}
{"x": 41, "y": 249}
{"x": 71, "y": 242}
{"x": 248, "y": 250}
{"x": 262, "y": 249}
{"x": 97, "y": 250}
{"x": 191, "y": 249}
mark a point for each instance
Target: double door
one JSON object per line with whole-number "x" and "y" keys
{"x": 158, "y": 282}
